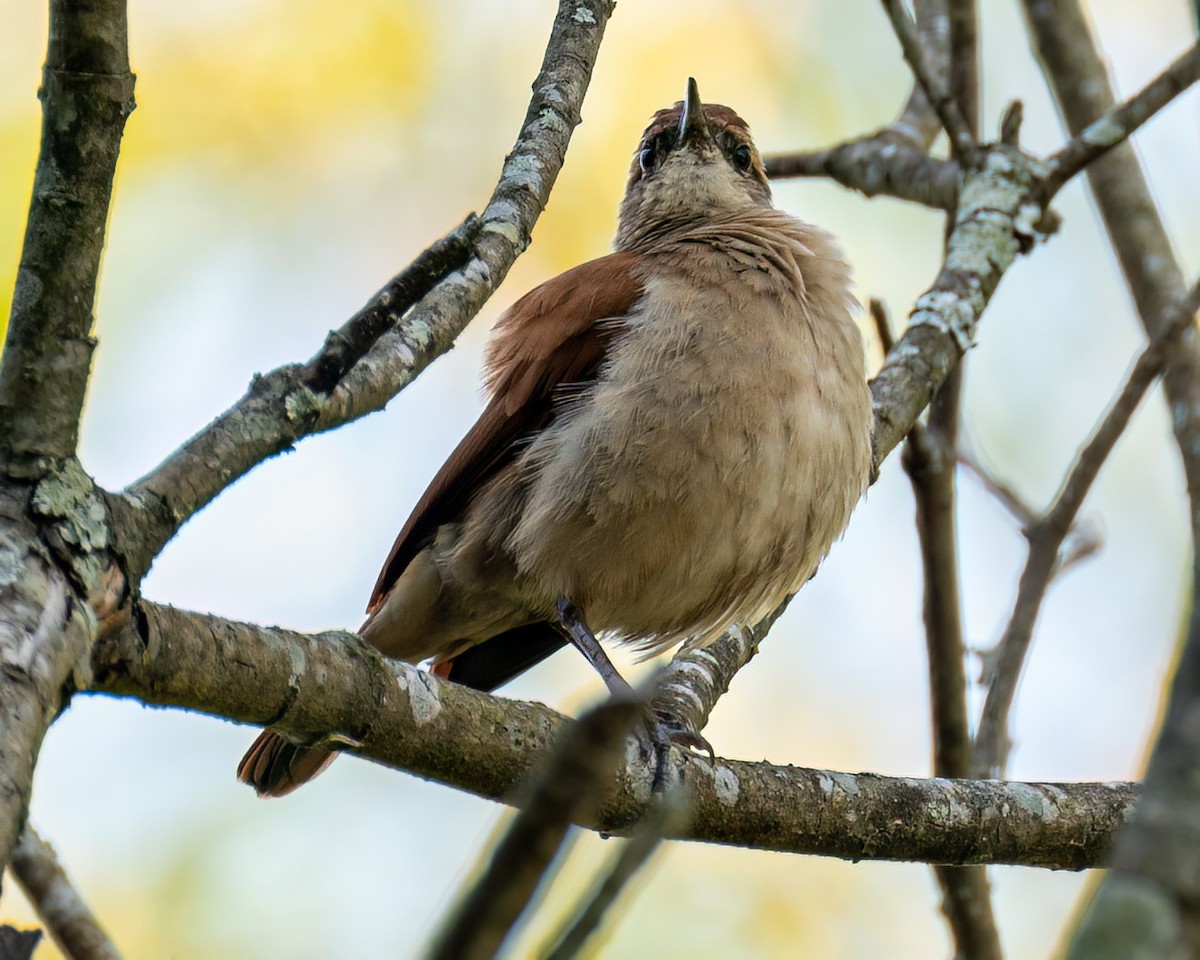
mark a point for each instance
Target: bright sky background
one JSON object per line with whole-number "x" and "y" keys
{"x": 284, "y": 160}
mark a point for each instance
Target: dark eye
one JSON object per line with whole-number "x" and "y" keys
{"x": 647, "y": 159}
{"x": 742, "y": 157}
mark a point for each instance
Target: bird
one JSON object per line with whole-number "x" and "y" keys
{"x": 675, "y": 434}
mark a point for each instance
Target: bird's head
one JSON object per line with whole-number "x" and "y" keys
{"x": 695, "y": 160}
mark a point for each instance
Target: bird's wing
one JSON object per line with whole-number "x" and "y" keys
{"x": 552, "y": 337}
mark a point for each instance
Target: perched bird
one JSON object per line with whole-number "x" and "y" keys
{"x": 675, "y": 434}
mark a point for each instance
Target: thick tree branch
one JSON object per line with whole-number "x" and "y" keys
{"x": 47, "y": 565}
{"x": 334, "y": 683}
{"x": 892, "y": 161}
{"x": 996, "y": 217}
{"x": 282, "y": 407}
{"x": 71, "y": 924}
{"x": 45, "y": 642}
{"x": 87, "y": 93}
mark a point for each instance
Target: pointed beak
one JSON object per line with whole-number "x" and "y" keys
{"x": 692, "y": 124}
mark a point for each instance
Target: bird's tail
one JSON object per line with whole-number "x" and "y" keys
{"x": 275, "y": 767}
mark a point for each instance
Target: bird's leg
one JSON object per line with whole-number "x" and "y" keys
{"x": 660, "y": 730}
{"x": 575, "y": 629}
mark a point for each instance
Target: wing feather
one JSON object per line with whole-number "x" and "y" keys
{"x": 552, "y": 337}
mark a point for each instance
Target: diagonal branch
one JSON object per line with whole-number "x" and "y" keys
{"x": 315, "y": 685}
{"x": 71, "y": 924}
{"x": 669, "y": 814}
{"x": 1047, "y": 535}
{"x": 1120, "y": 123}
{"x": 87, "y": 94}
{"x": 567, "y": 789}
{"x": 962, "y": 141}
{"x": 282, "y": 407}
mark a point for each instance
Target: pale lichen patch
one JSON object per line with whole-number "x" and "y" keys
{"x": 726, "y": 786}
{"x": 424, "y": 698}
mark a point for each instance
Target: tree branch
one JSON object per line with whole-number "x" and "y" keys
{"x": 1047, "y": 535}
{"x": 312, "y": 686}
{"x": 962, "y": 142}
{"x": 879, "y": 164}
{"x": 45, "y": 641}
{"x": 71, "y": 924}
{"x": 282, "y": 407}
{"x": 930, "y": 457}
{"x": 996, "y": 217}
{"x": 1120, "y": 123}
{"x": 892, "y": 161}
{"x": 669, "y": 814}
{"x": 1067, "y": 52}
{"x": 565, "y": 790}
{"x": 87, "y": 93}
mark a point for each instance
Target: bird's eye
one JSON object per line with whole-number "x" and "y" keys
{"x": 742, "y": 157}
{"x": 647, "y": 159}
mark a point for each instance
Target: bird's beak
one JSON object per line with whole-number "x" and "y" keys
{"x": 692, "y": 125}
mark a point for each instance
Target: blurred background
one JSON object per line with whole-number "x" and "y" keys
{"x": 284, "y": 160}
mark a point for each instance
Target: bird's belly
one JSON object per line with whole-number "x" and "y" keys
{"x": 668, "y": 507}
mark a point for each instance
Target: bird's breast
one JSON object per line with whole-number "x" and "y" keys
{"x": 709, "y": 466}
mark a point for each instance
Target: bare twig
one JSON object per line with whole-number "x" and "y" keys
{"x": 1083, "y": 539}
{"x": 567, "y": 789}
{"x": 962, "y": 142}
{"x": 402, "y": 717}
{"x": 281, "y": 407}
{"x": 87, "y": 93}
{"x": 67, "y": 918}
{"x": 345, "y": 347}
{"x": 1122, "y": 121}
{"x": 1008, "y": 498}
{"x": 882, "y": 321}
{"x": 668, "y": 815}
{"x": 1047, "y": 535}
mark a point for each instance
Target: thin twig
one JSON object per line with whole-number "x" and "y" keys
{"x": 567, "y": 787}
{"x": 1007, "y": 497}
{"x": 882, "y": 322}
{"x": 346, "y": 346}
{"x": 1122, "y": 121}
{"x": 962, "y": 143}
{"x": 1047, "y": 535}
{"x": 67, "y": 918}
{"x": 667, "y": 816}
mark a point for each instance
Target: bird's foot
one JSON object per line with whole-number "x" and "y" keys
{"x": 657, "y": 734}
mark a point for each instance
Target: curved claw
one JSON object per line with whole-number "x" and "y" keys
{"x": 658, "y": 733}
